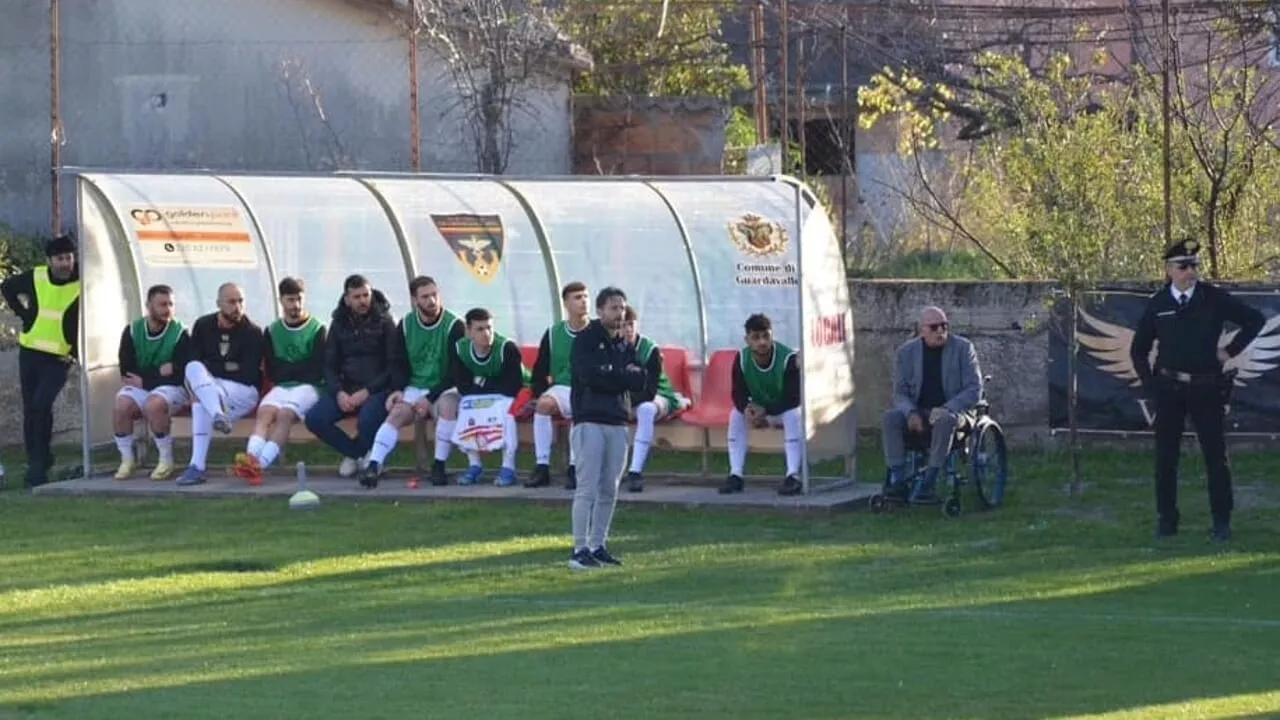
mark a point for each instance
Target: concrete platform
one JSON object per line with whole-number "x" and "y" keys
{"x": 672, "y": 492}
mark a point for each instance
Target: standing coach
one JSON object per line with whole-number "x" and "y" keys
{"x": 46, "y": 299}
{"x": 1186, "y": 318}
{"x": 604, "y": 372}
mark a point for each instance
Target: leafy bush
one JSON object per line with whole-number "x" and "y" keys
{"x": 18, "y": 252}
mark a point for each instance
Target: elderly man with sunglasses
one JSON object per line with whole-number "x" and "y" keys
{"x": 936, "y": 379}
{"x": 1184, "y": 321}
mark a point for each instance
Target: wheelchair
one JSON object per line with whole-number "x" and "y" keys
{"x": 978, "y": 445}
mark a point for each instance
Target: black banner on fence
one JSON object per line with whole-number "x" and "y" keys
{"x": 1109, "y": 397}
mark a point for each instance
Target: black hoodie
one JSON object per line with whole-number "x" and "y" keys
{"x": 358, "y": 349}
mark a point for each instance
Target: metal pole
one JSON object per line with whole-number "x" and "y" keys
{"x": 801, "y": 101}
{"x": 846, "y": 133}
{"x": 762, "y": 91}
{"x": 1168, "y": 132}
{"x": 757, "y": 77}
{"x": 415, "y": 124}
{"x": 785, "y": 126}
{"x": 55, "y": 114}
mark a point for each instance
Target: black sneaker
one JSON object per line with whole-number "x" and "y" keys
{"x": 635, "y": 482}
{"x": 791, "y": 485}
{"x": 602, "y": 556}
{"x": 1221, "y": 532}
{"x": 583, "y": 560}
{"x": 572, "y": 482}
{"x": 371, "y": 474}
{"x": 540, "y": 477}
{"x": 732, "y": 484}
{"x": 438, "y": 476}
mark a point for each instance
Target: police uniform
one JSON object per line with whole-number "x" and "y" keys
{"x": 1186, "y": 325}
{"x": 49, "y": 308}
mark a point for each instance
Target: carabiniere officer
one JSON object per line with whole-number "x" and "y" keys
{"x": 1186, "y": 317}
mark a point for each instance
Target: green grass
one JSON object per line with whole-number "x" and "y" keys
{"x": 1053, "y": 607}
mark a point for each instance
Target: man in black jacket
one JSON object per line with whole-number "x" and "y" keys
{"x": 224, "y": 375}
{"x": 46, "y": 299}
{"x": 604, "y": 372}
{"x": 1186, "y": 318}
{"x": 153, "y": 355}
{"x": 357, "y": 372}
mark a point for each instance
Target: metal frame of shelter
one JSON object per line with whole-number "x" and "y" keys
{"x": 803, "y": 198}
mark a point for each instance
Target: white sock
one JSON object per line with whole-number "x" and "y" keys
{"x": 510, "y": 442}
{"x": 543, "y": 434}
{"x": 202, "y": 385}
{"x": 737, "y": 441}
{"x": 792, "y": 440}
{"x": 164, "y": 446}
{"x": 444, "y": 438}
{"x": 384, "y": 442}
{"x": 646, "y": 415}
{"x": 201, "y": 426}
{"x": 254, "y": 447}
{"x": 473, "y": 457}
{"x": 269, "y": 454}
{"x": 124, "y": 443}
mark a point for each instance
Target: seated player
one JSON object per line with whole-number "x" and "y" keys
{"x": 223, "y": 375}
{"x": 766, "y": 391}
{"x": 936, "y": 378}
{"x": 657, "y": 401}
{"x": 551, "y": 382}
{"x": 486, "y": 363}
{"x": 294, "y": 361}
{"x": 153, "y": 358}
{"x": 420, "y": 364}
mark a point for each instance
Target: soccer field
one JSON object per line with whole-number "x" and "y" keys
{"x": 1052, "y": 607}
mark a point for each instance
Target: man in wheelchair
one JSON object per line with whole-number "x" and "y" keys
{"x": 936, "y": 383}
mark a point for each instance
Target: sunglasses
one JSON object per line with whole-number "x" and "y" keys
{"x": 935, "y": 327}
{"x": 1188, "y": 266}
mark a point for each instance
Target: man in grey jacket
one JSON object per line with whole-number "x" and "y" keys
{"x": 936, "y": 378}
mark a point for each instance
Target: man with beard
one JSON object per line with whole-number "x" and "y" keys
{"x": 295, "y": 364}
{"x": 551, "y": 382}
{"x": 223, "y": 376}
{"x": 154, "y": 350}
{"x": 357, "y": 373}
{"x": 420, "y": 365}
{"x": 46, "y": 299}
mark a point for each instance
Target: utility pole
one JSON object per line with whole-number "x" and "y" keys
{"x": 55, "y": 114}
{"x": 415, "y": 121}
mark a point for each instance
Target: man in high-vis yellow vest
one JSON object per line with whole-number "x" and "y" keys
{"x": 46, "y": 299}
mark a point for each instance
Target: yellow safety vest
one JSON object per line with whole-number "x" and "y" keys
{"x": 52, "y": 302}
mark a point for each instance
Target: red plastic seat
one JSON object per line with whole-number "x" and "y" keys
{"x": 675, "y": 362}
{"x": 711, "y": 409}
{"x": 529, "y": 355}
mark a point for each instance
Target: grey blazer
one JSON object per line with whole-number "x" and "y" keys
{"x": 961, "y": 375}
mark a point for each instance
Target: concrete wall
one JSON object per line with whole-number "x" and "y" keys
{"x": 261, "y": 85}
{"x": 1004, "y": 320}
{"x": 648, "y": 136}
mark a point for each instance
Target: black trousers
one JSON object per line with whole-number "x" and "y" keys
{"x": 1174, "y": 402}
{"x": 42, "y": 377}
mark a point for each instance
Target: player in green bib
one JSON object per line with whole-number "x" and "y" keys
{"x": 657, "y": 401}
{"x": 421, "y": 348}
{"x": 154, "y": 350}
{"x": 487, "y": 363}
{"x": 551, "y": 382}
{"x": 766, "y": 391}
{"x": 294, "y": 364}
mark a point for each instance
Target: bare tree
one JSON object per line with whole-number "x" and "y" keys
{"x": 496, "y": 52}
{"x": 307, "y": 102}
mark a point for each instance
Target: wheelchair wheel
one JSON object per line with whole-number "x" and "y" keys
{"x": 990, "y": 460}
{"x": 951, "y": 508}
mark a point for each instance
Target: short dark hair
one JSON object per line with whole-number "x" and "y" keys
{"x": 291, "y": 286}
{"x": 571, "y": 288}
{"x": 475, "y": 315}
{"x": 354, "y": 282}
{"x": 155, "y": 290}
{"x": 630, "y": 315}
{"x": 610, "y": 292}
{"x": 758, "y": 323}
{"x": 418, "y": 282}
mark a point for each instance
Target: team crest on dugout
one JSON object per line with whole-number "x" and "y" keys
{"x": 478, "y": 241}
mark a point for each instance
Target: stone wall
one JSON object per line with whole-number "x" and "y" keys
{"x": 1004, "y": 320}
{"x": 66, "y": 413}
{"x": 648, "y": 136}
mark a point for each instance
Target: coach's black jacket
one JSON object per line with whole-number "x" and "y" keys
{"x": 601, "y": 387}
{"x": 357, "y": 353}
{"x": 243, "y": 344}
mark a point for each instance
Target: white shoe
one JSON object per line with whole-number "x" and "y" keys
{"x": 349, "y": 467}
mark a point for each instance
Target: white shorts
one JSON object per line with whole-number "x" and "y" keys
{"x": 560, "y": 393}
{"x": 240, "y": 400}
{"x": 174, "y": 395}
{"x": 297, "y": 400}
{"x": 412, "y": 395}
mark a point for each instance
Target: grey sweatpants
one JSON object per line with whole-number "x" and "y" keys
{"x": 602, "y": 455}
{"x": 894, "y": 429}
